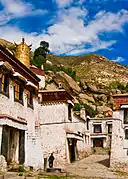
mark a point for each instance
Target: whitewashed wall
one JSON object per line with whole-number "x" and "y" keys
{"x": 119, "y": 148}
{"x": 54, "y": 125}
{"x": 104, "y": 128}
{"x": 15, "y": 109}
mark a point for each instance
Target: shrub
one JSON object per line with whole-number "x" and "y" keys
{"x": 90, "y": 111}
{"x": 119, "y": 86}
{"x": 21, "y": 168}
{"x": 55, "y": 68}
{"x": 77, "y": 107}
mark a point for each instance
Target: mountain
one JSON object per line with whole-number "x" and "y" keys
{"x": 93, "y": 68}
{"x": 98, "y": 78}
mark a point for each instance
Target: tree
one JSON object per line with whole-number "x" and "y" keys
{"x": 40, "y": 54}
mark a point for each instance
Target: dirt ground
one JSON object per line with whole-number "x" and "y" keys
{"x": 94, "y": 166}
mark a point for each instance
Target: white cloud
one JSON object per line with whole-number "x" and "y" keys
{"x": 63, "y": 3}
{"x": 119, "y": 59}
{"x": 71, "y": 29}
{"x": 96, "y": 46}
{"x": 15, "y": 9}
{"x": 70, "y": 34}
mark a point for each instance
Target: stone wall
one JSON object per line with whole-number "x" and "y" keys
{"x": 119, "y": 150}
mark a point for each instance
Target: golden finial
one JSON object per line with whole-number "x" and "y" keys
{"x": 23, "y": 53}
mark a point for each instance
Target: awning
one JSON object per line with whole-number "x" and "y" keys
{"x": 12, "y": 122}
{"x": 124, "y": 106}
{"x": 97, "y": 137}
{"x": 16, "y": 74}
{"x": 74, "y": 136}
{"x": 31, "y": 84}
{"x": 109, "y": 122}
{"x": 97, "y": 123}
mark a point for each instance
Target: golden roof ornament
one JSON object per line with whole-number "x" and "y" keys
{"x": 23, "y": 53}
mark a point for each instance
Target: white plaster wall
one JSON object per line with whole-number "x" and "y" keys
{"x": 79, "y": 125}
{"x": 118, "y": 150}
{"x": 1, "y": 128}
{"x": 118, "y": 114}
{"x": 54, "y": 124}
{"x": 104, "y": 127}
{"x": 52, "y": 113}
{"x": 54, "y": 140}
{"x": 42, "y": 82}
{"x": 52, "y": 119}
{"x": 15, "y": 109}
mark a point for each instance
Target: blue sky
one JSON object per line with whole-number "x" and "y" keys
{"x": 72, "y": 27}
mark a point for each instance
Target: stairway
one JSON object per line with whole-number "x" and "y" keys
{"x": 10, "y": 175}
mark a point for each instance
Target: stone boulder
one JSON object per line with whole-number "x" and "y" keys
{"x": 102, "y": 97}
{"x": 92, "y": 106}
{"x": 68, "y": 82}
{"x": 93, "y": 88}
{"x": 87, "y": 97}
{"x": 83, "y": 85}
{"x": 103, "y": 109}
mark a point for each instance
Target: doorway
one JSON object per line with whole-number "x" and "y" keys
{"x": 98, "y": 143}
{"x": 72, "y": 149}
{"x": 12, "y": 144}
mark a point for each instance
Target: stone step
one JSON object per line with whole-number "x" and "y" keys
{"x": 53, "y": 170}
{"x": 17, "y": 177}
{"x": 9, "y": 175}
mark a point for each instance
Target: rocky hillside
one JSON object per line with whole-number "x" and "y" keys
{"x": 97, "y": 79}
{"x": 93, "y": 68}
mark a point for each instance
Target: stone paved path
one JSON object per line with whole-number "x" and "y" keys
{"x": 94, "y": 166}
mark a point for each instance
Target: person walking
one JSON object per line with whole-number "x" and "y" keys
{"x": 50, "y": 160}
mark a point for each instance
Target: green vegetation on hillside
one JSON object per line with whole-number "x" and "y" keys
{"x": 117, "y": 85}
{"x": 89, "y": 110}
{"x": 56, "y": 68}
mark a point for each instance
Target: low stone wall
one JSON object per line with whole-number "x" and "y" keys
{"x": 84, "y": 154}
{"x": 100, "y": 151}
{"x": 83, "y": 150}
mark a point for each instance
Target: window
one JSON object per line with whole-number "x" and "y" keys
{"x": 126, "y": 134}
{"x": 97, "y": 128}
{"x": 125, "y": 116}
{"x": 30, "y": 98}
{"x": 88, "y": 123}
{"x": 5, "y": 84}
{"x": 18, "y": 93}
{"x": 109, "y": 128}
{"x": 69, "y": 112}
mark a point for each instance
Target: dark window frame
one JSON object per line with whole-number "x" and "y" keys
{"x": 19, "y": 92}
{"x": 4, "y": 84}
{"x": 126, "y": 134}
{"x": 95, "y": 128}
{"x": 109, "y": 128}
{"x": 30, "y": 103}
{"x": 69, "y": 112}
{"x": 125, "y": 116}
